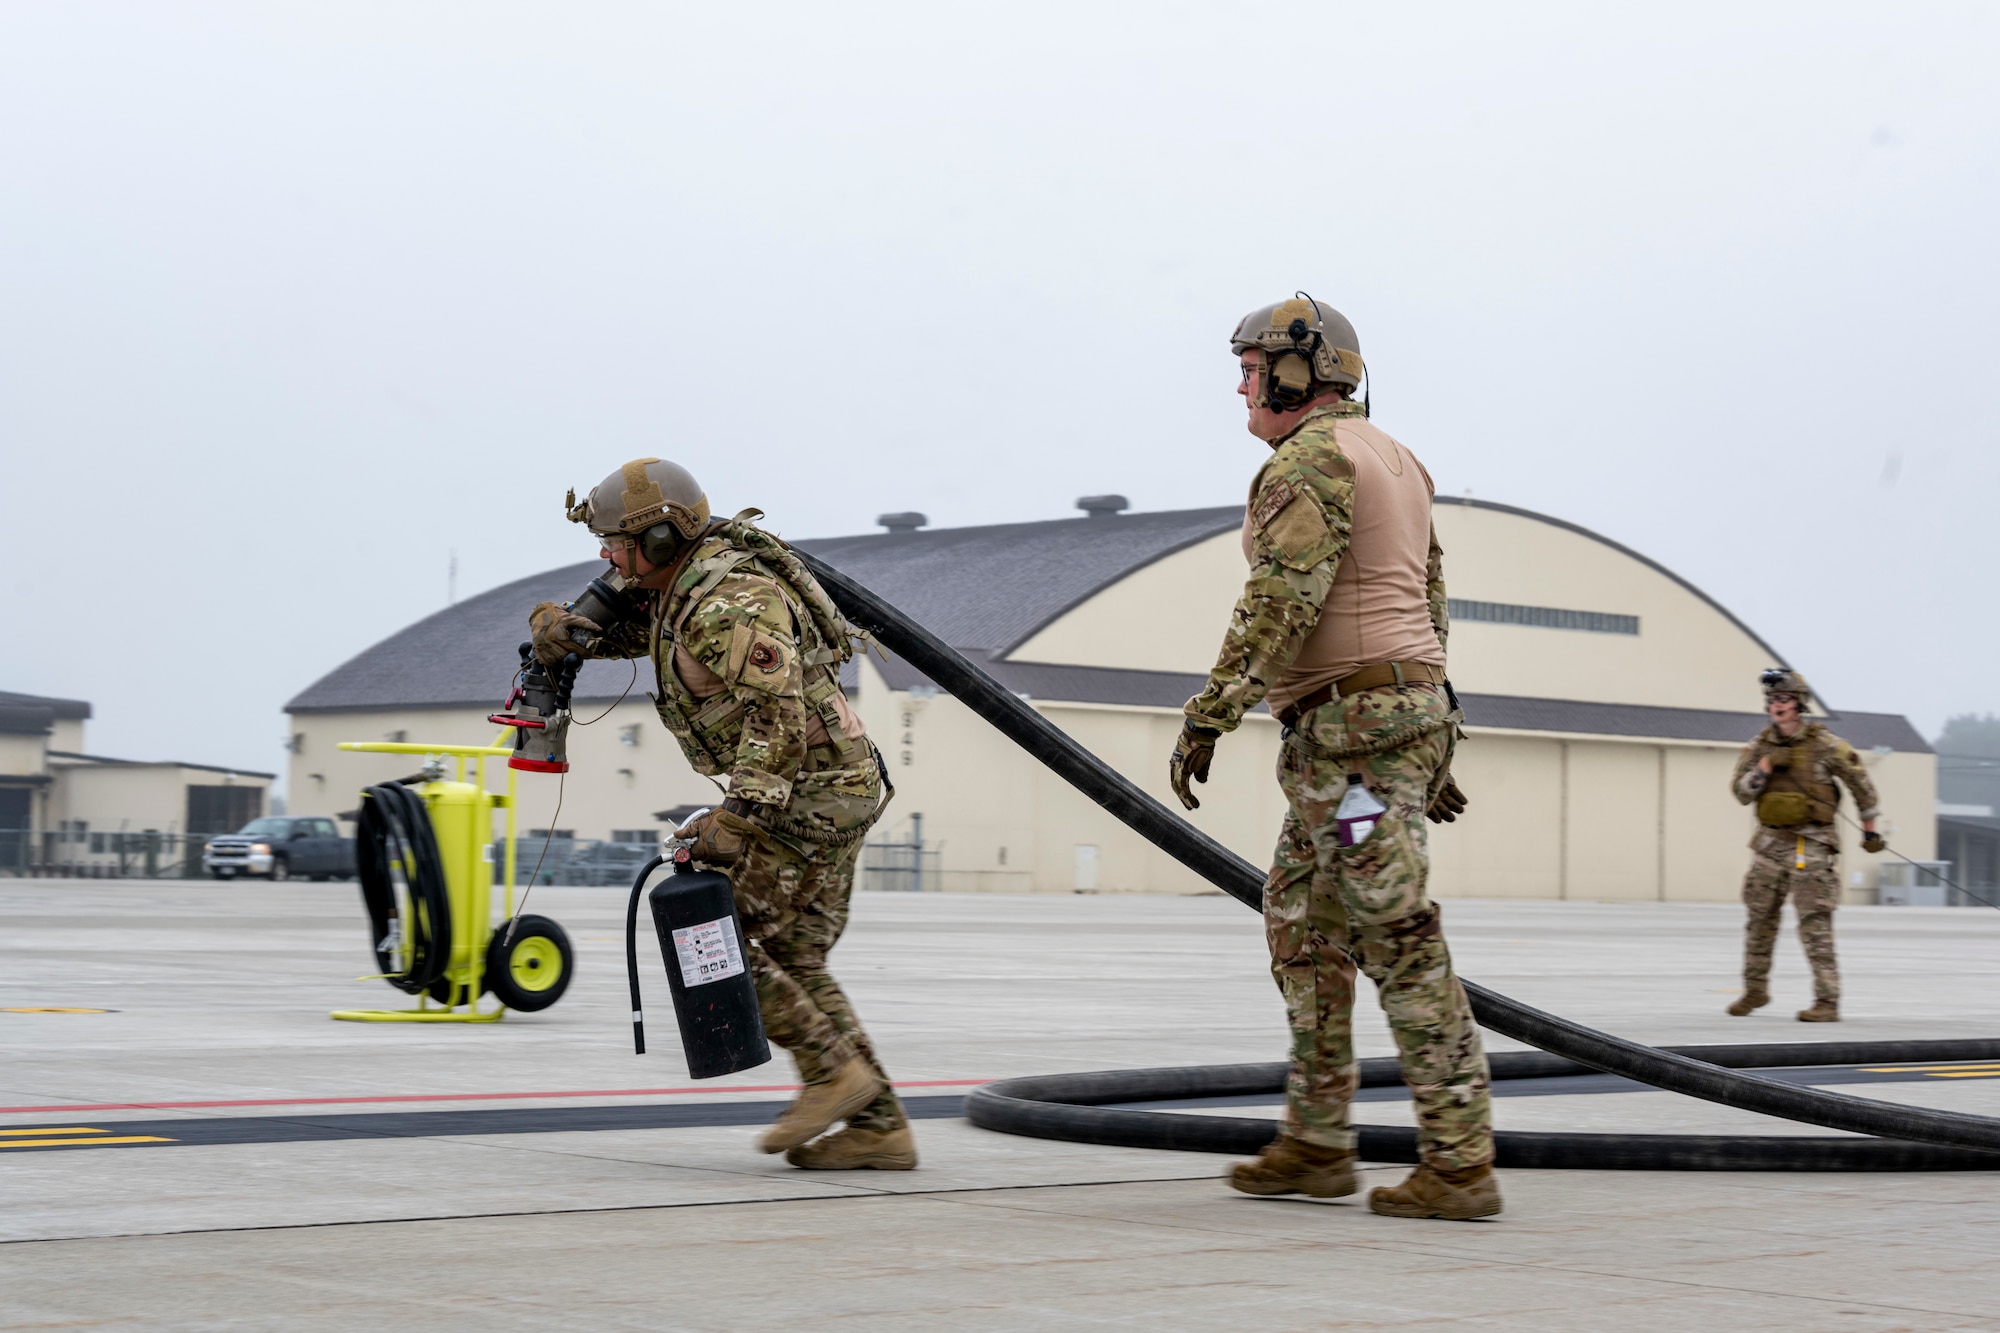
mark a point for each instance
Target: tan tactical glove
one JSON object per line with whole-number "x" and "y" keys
{"x": 1192, "y": 753}
{"x": 720, "y": 836}
{"x": 549, "y": 626}
{"x": 1448, "y": 804}
{"x": 1874, "y": 842}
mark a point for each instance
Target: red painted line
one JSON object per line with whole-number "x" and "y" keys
{"x": 450, "y": 1097}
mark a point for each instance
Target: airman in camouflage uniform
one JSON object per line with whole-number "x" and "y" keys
{"x": 746, "y": 650}
{"x": 1789, "y": 772}
{"x": 1338, "y": 492}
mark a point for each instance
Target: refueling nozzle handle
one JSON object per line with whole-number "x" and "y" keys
{"x": 566, "y": 679}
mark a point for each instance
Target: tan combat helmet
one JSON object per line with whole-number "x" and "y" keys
{"x": 1305, "y": 344}
{"x": 1784, "y": 680}
{"x": 659, "y": 502}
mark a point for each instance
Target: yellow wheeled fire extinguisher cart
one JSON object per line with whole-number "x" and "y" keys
{"x": 425, "y": 855}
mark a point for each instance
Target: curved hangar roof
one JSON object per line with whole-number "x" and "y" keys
{"x": 980, "y": 588}
{"x": 1012, "y": 596}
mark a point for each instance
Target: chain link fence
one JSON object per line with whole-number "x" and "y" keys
{"x": 75, "y": 854}
{"x": 580, "y": 862}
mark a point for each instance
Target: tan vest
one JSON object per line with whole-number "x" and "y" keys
{"x": 1379, "y": 608}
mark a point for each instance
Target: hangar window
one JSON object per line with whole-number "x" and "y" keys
{"x": 1543, "y": 617}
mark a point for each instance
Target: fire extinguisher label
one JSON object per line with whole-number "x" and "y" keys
{"x": 708, "y": 952}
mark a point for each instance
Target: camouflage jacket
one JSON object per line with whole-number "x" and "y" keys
{"x": 772, "y": 667}
{"x": 1833, "y": 760}
{"x": 1293, "y": 558}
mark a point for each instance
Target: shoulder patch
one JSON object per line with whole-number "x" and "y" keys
{"x": 1272, "y": 502}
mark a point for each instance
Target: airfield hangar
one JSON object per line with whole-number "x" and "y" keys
{"x": 1606, "y": 699}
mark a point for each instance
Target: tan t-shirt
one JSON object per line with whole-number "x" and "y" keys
{"x": 1379, "y": 607}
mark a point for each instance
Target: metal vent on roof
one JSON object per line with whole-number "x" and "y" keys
{"x": 905, "y": 522}
{"x": 1103, "y": 506}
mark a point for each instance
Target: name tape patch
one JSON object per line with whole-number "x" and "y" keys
{"x": 1272, "y": 501}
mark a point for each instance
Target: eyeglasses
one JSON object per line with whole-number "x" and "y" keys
{"x": 613, "y": 541}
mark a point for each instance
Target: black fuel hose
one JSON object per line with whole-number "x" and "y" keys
{"x": 1093, "y": 1108}
{"x": 1662, "y": 1068}
{"x": 393, "y": 828}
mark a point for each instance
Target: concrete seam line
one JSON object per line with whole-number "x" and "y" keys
{"x": 862, "y": 1193}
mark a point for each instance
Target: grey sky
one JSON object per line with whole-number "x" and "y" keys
{"x": 296, "y": 299}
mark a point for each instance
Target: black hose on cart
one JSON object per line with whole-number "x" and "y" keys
{"x": 392, "y": 833}
{"x": 1069, "y": 1106}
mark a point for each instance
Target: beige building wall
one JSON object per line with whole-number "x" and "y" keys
{"x": 1168, "y": 616}
{"x": 133, "y": 797}
{"x": 22, "y": 756}
{"x": 1619, "y": 820}
{"x": 1604, "y": 820}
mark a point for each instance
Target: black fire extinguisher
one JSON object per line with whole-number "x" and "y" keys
{"x": 708, "y": 968}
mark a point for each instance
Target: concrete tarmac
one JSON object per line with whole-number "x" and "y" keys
{"x": 214, "y": 1003}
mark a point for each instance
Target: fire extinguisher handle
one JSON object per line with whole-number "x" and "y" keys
{"x": 632, "y": 953}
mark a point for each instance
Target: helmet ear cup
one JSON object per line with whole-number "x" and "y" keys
{"x": 1289, "y": 381}
{"x": 661, "y": 543}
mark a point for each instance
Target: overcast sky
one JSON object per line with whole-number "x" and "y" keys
{"x": 296, "y": 300}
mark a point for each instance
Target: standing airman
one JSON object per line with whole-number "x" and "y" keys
{"x": 1342, "y": 628}
{"x": 1789, "y": 773}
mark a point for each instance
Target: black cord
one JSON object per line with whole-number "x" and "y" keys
{"x": 620, "y": 699}
{"x": 535, "y": 877}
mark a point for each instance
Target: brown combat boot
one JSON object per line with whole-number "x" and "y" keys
{"x": 1752, "y": 999}
{"x": 822, "y": 1105}
{"x": 1433, "y": 1192}
{"x": 1823, "y": 1011}
{"x": 1292, "y": 1166}
{"x": 858, "y": 1150}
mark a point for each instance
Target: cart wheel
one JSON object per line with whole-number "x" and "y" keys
{"x": 534, "y": 970}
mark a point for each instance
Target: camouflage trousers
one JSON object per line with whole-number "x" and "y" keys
{"x": 1775, "y": 872}
{"x": 793, "y": 897}
{"x": 1327, "y": 907}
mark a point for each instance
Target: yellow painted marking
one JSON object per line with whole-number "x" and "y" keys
{"x": 1963, "y": 1073}
{"x": 54, "y": 1131}
{"x": 1981, "y": 1070}
{"x": 83, "y": 1143}
{"x": 53, "y": 1009}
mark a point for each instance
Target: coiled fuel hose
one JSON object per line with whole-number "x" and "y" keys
{"x": 1073, "y": 1106}
{"x": 393, "y": 833}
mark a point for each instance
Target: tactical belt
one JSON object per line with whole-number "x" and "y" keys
{"x": 790, "y": 826}
{"x": 1368, "y": 678}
